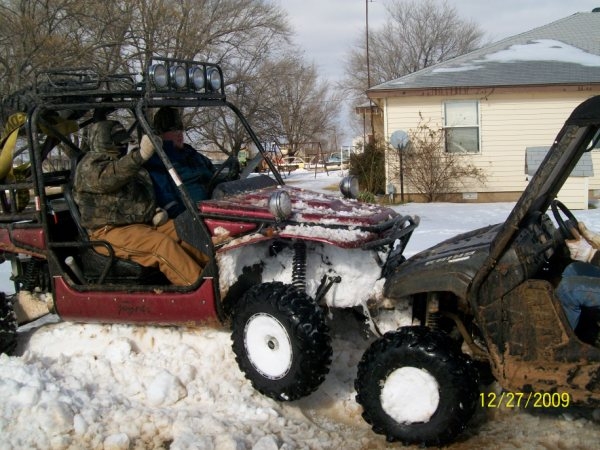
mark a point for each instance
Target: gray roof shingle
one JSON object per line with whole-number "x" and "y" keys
{"x": 566, "y": 51}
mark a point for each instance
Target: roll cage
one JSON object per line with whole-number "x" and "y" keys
{"x": 66, "y": 101}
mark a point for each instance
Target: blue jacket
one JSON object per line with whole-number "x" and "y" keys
{"x": 194, "y": 169}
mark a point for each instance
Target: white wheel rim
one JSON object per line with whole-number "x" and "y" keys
{"x": 410, "y": 395}
{"x": 268, "y": 346}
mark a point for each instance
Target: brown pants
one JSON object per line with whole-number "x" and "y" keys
{"x": 155, "y": 247}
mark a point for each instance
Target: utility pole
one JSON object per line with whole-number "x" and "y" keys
{"x": 369, "y": 66}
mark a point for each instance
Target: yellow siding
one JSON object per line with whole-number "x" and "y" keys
{"x": 508, "y": 124}
{"x": 595, "y": 180}
{"x": 574, "y": 193}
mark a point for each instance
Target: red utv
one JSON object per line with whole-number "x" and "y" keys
{"x": 278, "y": 255}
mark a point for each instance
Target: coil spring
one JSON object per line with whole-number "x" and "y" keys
{"x": 433, "y": 320}
{"x": 34, "y": 276}
{"x": 299, "y": 266}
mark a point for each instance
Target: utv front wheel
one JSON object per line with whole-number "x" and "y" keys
{"x": 8, "y": 326}
{"x": 416, "y": 387}
{"x": 281, "y": 341}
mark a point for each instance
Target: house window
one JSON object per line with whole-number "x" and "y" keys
{"x": 461, "y": 126}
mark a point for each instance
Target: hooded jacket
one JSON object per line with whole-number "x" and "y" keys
{"x": 194, "y": 169}
{"x": 111, "y": 189}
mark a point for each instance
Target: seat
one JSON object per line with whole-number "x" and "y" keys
{"x": 98, "y": 268}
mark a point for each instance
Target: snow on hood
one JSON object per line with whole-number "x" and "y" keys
{"x": 341, "y": 237}
{"x": 315, "y": 216}
{"x": 308, "y": 207}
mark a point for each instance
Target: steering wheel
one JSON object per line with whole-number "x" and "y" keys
{"x": 565, "y": 226}
{"x": 234, "y": 170}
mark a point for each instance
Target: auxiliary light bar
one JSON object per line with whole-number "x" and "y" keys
{"x": 181, "y": 76}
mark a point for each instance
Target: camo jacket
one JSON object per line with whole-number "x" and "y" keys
{"x": 113, "y": 190}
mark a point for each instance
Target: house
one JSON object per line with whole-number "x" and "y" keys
{"x": 496, "y": 102}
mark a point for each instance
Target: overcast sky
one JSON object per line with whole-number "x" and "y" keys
{"x": 326, "y": 29}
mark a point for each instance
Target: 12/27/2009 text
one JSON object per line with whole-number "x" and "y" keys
{"x": 525, "y": 399}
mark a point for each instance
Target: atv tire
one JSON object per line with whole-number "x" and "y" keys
{"x": 281, "y": 341}
{"x": 8, "y": 326}
{"x": 415, "y": 386}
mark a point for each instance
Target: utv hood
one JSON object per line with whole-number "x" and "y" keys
{"x": 448, "y": 266}
{"x": 312, "y": 216}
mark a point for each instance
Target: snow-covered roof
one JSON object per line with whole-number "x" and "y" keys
{"x": 566, "y": 51}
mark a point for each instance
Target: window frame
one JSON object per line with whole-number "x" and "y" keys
{"x": 465, "y": 126}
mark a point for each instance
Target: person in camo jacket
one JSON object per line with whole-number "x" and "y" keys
{"x": 116, "y": 200}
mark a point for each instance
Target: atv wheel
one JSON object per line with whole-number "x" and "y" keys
{"x": 415, "y": 386}
{"x": 281, "y": 341}
{"x": 8, "y": 326}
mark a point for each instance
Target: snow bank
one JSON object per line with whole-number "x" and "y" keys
{"x": 121, "y": 387}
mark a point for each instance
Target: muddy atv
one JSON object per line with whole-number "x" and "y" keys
{"x": 279, "y": 256}
{"x": 487, "y": 297}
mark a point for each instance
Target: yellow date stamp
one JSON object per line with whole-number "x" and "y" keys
{"x": 525, "y": 400}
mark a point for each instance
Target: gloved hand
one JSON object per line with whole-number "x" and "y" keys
{"x": 146, "y": 148}
{"x": 589, "y": 235}
{"x": 580, "y": 249}
{"x": 160, "y": 217}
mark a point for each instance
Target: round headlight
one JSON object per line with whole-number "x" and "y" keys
{"x": 214, "y": 78}
{"x": 178, "y": 76}
{"x": 196, "y": 78}
{"x": 158, "y": 75}
{"x": 280, "y": 205}
{"x": 349, "y": 187}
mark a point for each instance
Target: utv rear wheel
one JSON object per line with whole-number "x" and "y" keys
{"x": 416, "y": 387}
{"x": 281, "y": 341}
{"x": 8, "y": 326}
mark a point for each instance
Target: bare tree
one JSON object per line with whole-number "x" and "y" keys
{"x": 301, "y": 108}
{"x": 41, "y": 34}
{"x": 103, "y": 30}
{"x": 249, "y": 86}
{"x": 35, "y": 34}
{"x": 428, "y": 169}
{"x": 424, "y": 34}
{"x": 215, "y": 30}
{"x": 417, "y": 34}
{"x": 278, "y": 93}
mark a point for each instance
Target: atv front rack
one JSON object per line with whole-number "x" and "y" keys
{"x": 399, "y": 228}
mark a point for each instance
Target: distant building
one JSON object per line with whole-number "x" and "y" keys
{"x": 495, "y": 102}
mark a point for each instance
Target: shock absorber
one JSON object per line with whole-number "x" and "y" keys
{"x": 299, "y": 266}
{"x": 32, "y": 276}
{"x": 433, "y": 311}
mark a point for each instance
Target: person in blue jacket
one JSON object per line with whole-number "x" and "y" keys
{"x": 195, "y": 170}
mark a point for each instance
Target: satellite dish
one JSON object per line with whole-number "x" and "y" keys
{"x": 399, "y": 139}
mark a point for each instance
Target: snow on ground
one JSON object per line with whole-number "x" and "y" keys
{"x": 117, "y": 387}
